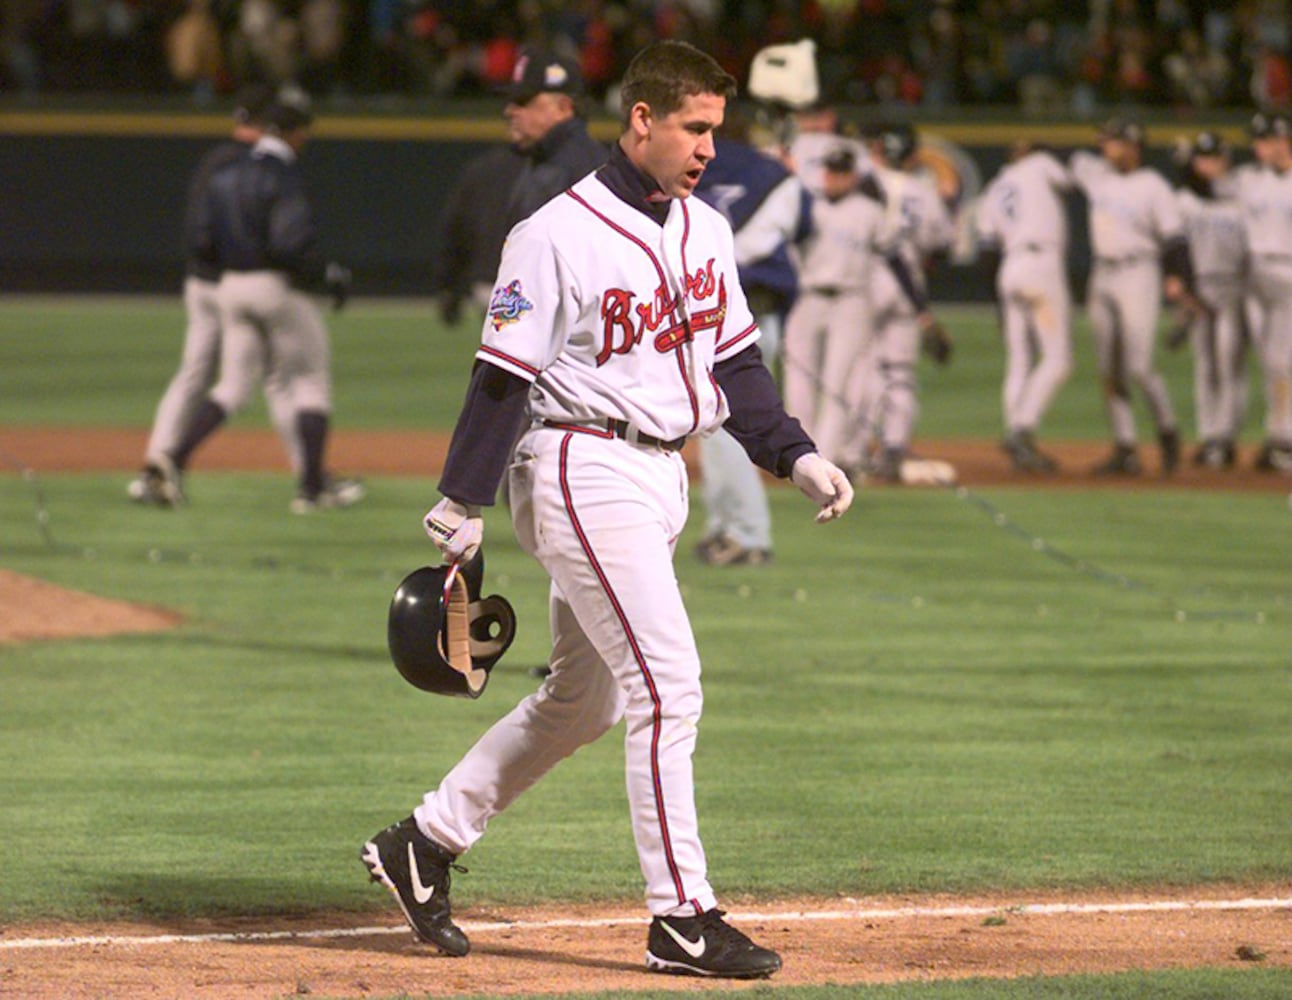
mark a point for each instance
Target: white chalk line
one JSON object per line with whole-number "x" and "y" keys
{"x": 788, "y": 916}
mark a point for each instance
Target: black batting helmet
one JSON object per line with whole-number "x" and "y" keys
{"x": 443, "y": 637}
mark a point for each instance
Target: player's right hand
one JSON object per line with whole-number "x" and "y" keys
{"x": 824, "y": 484}
{"x": 455, "y": 528}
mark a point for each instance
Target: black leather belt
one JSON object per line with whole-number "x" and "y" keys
{"x": 830, "y": 291}
{"x": 622, "y": 430}
{"x": 1116, "y": 262}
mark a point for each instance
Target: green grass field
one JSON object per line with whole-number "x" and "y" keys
{"x": 966, "y": 691}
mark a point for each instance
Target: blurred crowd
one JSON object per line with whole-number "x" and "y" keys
{"x": 1046, "y": 56}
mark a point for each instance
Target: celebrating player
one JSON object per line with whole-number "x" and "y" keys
{"x": 1021, "y": 221}
{"x": 1265, "y": 194}
{"x": 1214, "y": 226}
{"x": 619, "y": 328}
{"x": 1136, "y": 234}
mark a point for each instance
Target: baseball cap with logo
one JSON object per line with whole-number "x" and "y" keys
{"x": 539, "y": 71}
{"x": 1267, "y": 125}
{"x": 840, "y": 160}
{"x": 1123, "y": 128}
{"x": 291, "y": 109}
{"x": 1208, "y": 144}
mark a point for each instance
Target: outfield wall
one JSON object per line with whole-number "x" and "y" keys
{"x": 92, "y": 201}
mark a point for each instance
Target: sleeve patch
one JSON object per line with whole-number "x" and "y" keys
{"x": 508, "y": 305}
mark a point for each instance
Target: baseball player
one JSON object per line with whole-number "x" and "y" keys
{"x": 1137, "y": 236}
{"x": 1022, "y": 225}
{"x": 768, "y": 211}
{"x": 256, "y": 226}
{"x": 201, "y": 351}
{"x": 884, "y": 394}
{"x": 1265, "y": 197}
{"x": 827, "y": 333}
{"x": 619, "y": 318}
{"x": 1218, "y": 338}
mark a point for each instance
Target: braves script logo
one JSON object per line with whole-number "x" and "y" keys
{"x": 625, "y": 322}
{"x": 508, "y": 305}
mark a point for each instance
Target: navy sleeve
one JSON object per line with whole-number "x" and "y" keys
{"x": 772, "y": 439}
{"x": 487, "y": 430}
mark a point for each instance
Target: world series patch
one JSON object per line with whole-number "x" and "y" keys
{"x": 508, "y": 305}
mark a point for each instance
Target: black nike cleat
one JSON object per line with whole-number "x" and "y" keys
{"x": 416, "y": 870}
{"x": 706, "y": 946}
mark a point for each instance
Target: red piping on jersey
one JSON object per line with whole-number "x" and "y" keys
{"x": 737, "y": 338}
{"x": 686, "y": 319}
{"x": 656, "y": 707}
{"x": 663, "y": 283}
{"x": 495, "y": 353}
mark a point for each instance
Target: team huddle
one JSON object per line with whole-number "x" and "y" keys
{"x": 1215, "y": 248}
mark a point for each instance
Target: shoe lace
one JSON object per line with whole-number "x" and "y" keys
{"x": 720, "y": 932}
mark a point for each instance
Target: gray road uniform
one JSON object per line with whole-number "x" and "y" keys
{"x": 1134, "y": 222}
{"x": 258, "y": 228}
{"x": 1265, "y": 199}
{"x": 1218, "y": 249}
{"x": 885, "y": 394}
{"x": 1021, "y": 217}
{"x": 828, "y": 333}
{"x": 199, "y": 358}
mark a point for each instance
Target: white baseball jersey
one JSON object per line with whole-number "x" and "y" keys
{"x": 1214, "y": 227}
{"x": 846, "y": 234}
{"x": 1131, "y": 214}
{"x": 1023, "y": 205}
{"x": 1266, "y": 199}
{"x": 915, "y": 215}
{"x": 624, "y": 322}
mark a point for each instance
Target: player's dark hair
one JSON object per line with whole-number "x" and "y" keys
{"x": 665, "y": 73}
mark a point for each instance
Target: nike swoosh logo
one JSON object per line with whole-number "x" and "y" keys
{"x": 693, "y": 948}
{"x": 421, "y": 893}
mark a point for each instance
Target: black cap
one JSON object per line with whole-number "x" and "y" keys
{"x": 251, "y": 103}
{"x": 1208, "y": 144}
{"x": 1270, "y": 125}
{"x": 538, "y": 71}
{"x": 840, "y": 160}
{"x": 1123, "y": 128}
{"x": 291, "y": 109}
{"x": 897, "y": 143}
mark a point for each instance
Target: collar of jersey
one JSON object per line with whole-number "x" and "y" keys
{"x": 632, "y": 187}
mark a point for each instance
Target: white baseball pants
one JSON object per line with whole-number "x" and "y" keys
{"x": 602, "y": 517}
{"x": 1036, "y": 324}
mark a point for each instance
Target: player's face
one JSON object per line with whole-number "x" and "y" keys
{"x": 1211, "y": 165}
{"x": 677, "y": 147}
{"x": 528, "y": 122}
{"x": 837, "y": 183}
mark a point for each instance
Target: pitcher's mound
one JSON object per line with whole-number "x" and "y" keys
{"x": 32, "y": 609}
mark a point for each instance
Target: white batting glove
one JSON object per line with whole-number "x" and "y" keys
{"x": 455, "y": 528}
{"x": 824, "y": 484}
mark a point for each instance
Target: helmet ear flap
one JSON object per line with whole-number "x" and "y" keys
{"x": 492, "y": 629}
{"x": 442, "y": 637}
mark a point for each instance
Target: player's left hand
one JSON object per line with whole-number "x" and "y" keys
{"x": 935, "y": 341}
{"x": 337, "y": 280}
{"x": 455, "y": 528}
{"x": 824, "y": 484}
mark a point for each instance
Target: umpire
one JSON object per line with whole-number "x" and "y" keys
{"x": 257, "y": 228}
